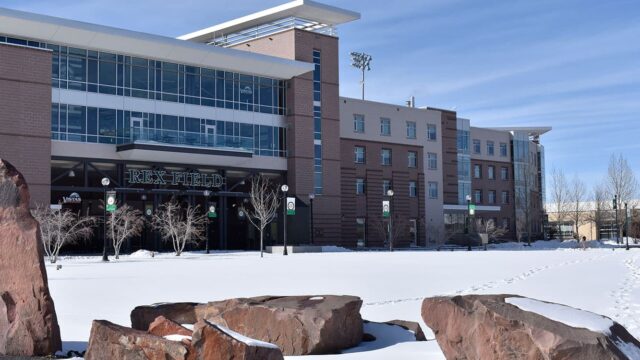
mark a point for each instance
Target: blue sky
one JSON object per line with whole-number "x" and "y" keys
{"x": 570, "y": 64}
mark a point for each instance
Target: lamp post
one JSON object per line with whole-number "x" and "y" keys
{"x": 361, "y": 61}
{"x": 206, "y": 194}
{"x": 390, "y": 194}
{"x": 311, "y": 197}
{"x": 284, "y": 189}
{"x": 626, "y": 222}
{"x": 105, "y": 183}
{"x": 615, "y": 209}
{"x": 468, "y": 223}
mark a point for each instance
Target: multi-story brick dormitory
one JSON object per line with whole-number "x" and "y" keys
{"x": 255, "y": 95}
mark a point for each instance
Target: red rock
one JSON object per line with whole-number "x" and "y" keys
{"x": 412, "y": 326}
{"x": 181, "y": 313}
{"x": 111, "y": 341}
{"x": 299, "y": 325}
{"x": 213, "y": 342}
{"x": 162, "y": 326}
{"x": 487, "y": 327}
{"x": 28, "y": 322}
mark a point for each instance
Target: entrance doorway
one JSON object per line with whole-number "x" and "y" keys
{"x": 413, "y": 231}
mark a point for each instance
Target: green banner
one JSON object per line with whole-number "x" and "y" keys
{"x": 291, "y": 206}
{"x": 212, "y": 212}
{"x": 386, "y": 209}
{"x": 111, "y": 201}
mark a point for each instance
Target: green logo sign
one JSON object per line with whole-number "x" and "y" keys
{"x": 291, "y": 206}
{"x": 472, "y": 209}
{"x": 386, "y": 210}
{"x": 111, "y": 201}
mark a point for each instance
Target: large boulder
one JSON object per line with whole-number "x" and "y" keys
{"x": 182, "y": 313}
{"x": 299, "y": 325}
{"x": 214, "y": 342}
{"x": 111, "y": 341}
{"x": 162, "y": 326}
{"x": 28, "y": 323}
{"x": 512, "y": 327}
{"x": 412, "y": 326}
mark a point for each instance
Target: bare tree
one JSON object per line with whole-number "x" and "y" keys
{"x": 602, "y": 203}
{"x": 560, "y": 195}
{"x": 179, "y": 226}
{"x": 61, "y": 227}
{"x": 577, "y": 198}
{"x": 489, "y": 227}
{"x": 264, "y": 202}
{"x": 622, "y": 182}
{"x": 392, "y": 229}
{"x": 124, "y": 223}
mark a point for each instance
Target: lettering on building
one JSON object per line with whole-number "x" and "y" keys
{"x": 175, "y": 178}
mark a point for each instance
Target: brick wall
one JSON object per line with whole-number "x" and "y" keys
{"x": 25, "y": 116}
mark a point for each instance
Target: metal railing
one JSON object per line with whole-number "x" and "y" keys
{"x": 185, "y": 138}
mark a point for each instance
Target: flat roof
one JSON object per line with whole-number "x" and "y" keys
{"x": 98, "y": 37}
{"x": 304, "y": 9}
{"x": 532, "y": 130}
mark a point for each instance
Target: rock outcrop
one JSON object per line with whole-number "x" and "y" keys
{"x": 111, "y": 341}
{"x": 299, "y": 325}
{"x": 28, "y": 323}
{"x": 162, "y": 326}
{"x": 412, "y": 326}
{"x": 214, "y": 342}
{"x": 492, "y": 327}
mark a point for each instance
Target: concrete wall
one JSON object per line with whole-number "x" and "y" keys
{"x": 25, "y": 116}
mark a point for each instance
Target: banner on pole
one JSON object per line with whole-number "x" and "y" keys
{"x": 212, "y": 211}
{"x": 291, "y": 206}
{"x": 386, "y": 210}
{"x": 111, "y": 201}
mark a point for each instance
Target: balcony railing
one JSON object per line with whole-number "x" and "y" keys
{"x": 185, "y": 138}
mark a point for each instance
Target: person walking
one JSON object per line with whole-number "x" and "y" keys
{"x": 583, "y": 243}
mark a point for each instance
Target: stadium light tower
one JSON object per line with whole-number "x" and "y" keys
{"x": 361, "y": 61}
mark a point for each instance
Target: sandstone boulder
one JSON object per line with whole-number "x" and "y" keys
{"x": 181, "y": 313}
{"x": 214, "y": 342}
{"x": 412, "y": 326}
{"x": 111, "y": 341}
{"x": 162, "y": 326}
{"x": 299, "y": 325}
{"x": 511, "y": 327}
{"x": 28, "y": 323}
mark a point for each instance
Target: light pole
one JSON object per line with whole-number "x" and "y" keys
{"x": 390, "y": 194}
{"x": 284, "y": 189}
{"x": 206, "y": 194}
{"x": 626, "y": 222}
{"x": 105, "y": 183}
{"x": 615, "y": 209}
{"x": 468, "y": 223}
{"x": 361, "y": 61}
{"x": 311, "y": 197}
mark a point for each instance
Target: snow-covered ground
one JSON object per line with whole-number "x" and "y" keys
{"x": 602, "y": 280}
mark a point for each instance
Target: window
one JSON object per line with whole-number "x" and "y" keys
{"x": 411, "y": 129}
{"x": 412, "y": 158}
{"x": 385, "y": 157}
{"x": 477, "y": 171}
{"x": 492, "y": 196}
{"x": 476, "y": 146}
{"x": 433, "y": 190}
{"x": 360, "y": 186}
{"x": 358, "y": 123}
{"x": 359, "y": 152}
{"x": 432, "y": 161}
{"x": 386, "y": 186}
{"x": 503, "y": 149}
{"x": 431, "y": 132}
{"x": 361, "y": 230}
{"x": 505, "y": 223}
{"x": 491, "y": 172}
{"x": 505, "y": 197}
{"x": 385, "y": 127}
{"x": 413, "y": 189}
{"x": 504, "y": 173}
{"x": 478, "y": 196}
{"x": 490, "y": 148}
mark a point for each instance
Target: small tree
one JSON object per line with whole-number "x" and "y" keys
{"x": 577, "y": 198}
{"x": 602, "y": 203}
{"x": 179, "y": 226}
{"x": 560, "y": 194}
{"x": 264, "y": 203}
{"x": 61, "y": 227}
{"x": 489, "y": 227}
{"x": 123, "y": 224}
{"x": 621, "y": 181}
{"x": 391, "y": 229}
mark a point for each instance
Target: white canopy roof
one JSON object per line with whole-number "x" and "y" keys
{"x": 304, "y": 9}
{"x": 97, "y": 37}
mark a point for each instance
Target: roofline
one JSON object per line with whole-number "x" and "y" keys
{"x": 532, "y": 130}
{"x": 98, "y": 37}
{"x": 278, "y": 12}
{"x": 389, "y": 104}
